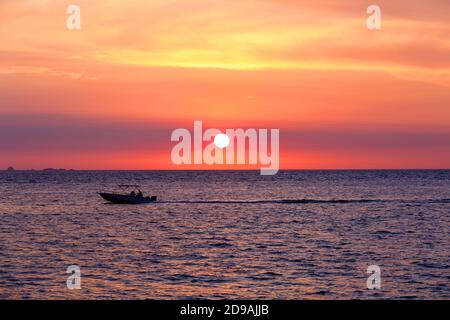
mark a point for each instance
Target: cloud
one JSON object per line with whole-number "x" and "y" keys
{"x": 50, "y": 133}
{"x": 38, "y": 70}
{"x": 50, "y": 140}
{"x": 235, "y": 35}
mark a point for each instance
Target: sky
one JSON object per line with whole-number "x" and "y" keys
{"x": 109, "y": 95}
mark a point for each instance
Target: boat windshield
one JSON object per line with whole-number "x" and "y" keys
{"x": 135, "y": 191}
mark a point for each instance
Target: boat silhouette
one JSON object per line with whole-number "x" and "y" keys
{"x": 134, "y": 197}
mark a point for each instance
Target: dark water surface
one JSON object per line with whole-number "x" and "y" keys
{"x": 222, "y": 234}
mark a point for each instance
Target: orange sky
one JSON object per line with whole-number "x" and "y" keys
{"x": 107, "y": 96}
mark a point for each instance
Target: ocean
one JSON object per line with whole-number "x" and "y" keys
{"x": 226, "y": 235}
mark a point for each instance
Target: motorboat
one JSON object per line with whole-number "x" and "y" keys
{"x": 134, "y": 197}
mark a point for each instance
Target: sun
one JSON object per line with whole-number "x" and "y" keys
{"x": 221, "y": 140}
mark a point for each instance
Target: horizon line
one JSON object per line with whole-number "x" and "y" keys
{"x": 291, "y": 169}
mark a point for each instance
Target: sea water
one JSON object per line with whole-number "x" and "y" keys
{"x": 226, "y": 234}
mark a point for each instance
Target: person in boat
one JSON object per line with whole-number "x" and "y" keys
{"x": 132, "y": 193}
{"x": 140, "y": 195}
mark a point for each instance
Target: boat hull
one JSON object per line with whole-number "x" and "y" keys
{"x": 126, "y": 199}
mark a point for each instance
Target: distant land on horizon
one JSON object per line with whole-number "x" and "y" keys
{"x": 45, "y": 169}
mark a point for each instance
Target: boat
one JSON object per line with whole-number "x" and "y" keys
{"x": 133, "y": 197}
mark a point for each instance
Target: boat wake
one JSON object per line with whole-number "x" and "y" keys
{"x": 304, "y": 201}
